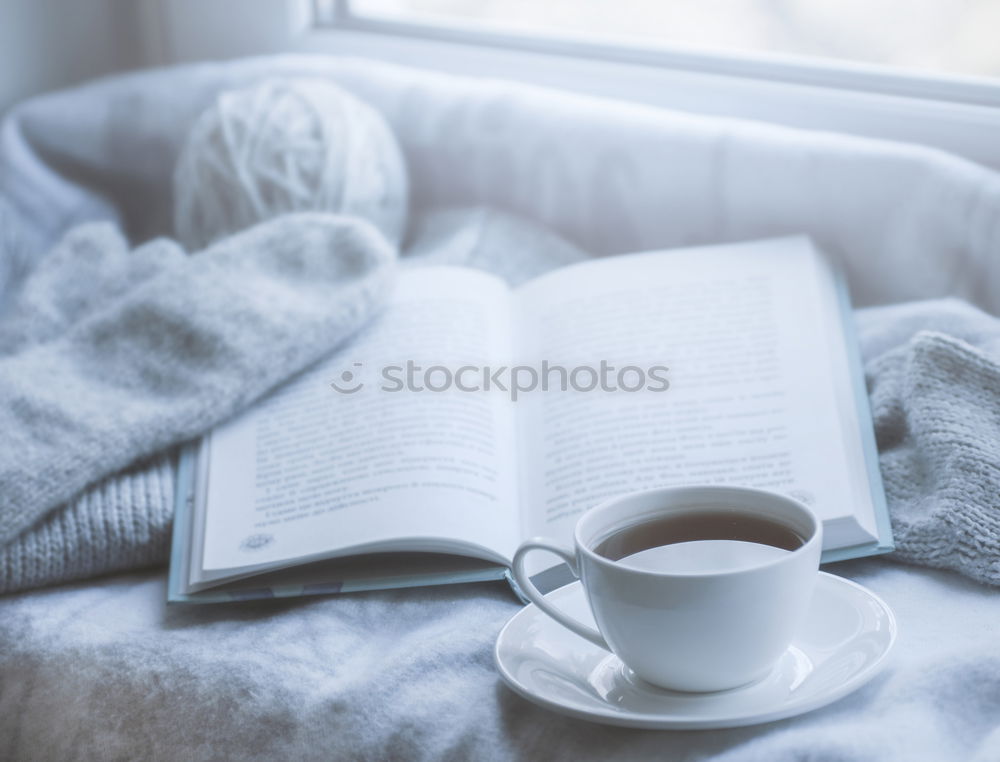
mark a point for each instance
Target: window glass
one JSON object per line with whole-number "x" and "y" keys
{"x": 929, "y": 36}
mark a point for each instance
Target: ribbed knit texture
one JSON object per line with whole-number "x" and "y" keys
{"x": 123, "y": 522}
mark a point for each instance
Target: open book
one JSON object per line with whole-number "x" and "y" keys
{"x": 470, "y": 416}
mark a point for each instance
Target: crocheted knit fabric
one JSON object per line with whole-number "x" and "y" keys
{"x": 936, "y": 403}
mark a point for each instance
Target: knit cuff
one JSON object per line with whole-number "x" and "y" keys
{"x": 122, "y": 522}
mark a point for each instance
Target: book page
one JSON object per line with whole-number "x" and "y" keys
{"x": 373, "y": 467}
{"x": 754, "y": 392}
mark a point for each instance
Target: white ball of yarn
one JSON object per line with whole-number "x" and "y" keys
{"x": 284, "y": 146}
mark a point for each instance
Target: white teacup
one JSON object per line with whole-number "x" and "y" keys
{"x": 706, "y": 616}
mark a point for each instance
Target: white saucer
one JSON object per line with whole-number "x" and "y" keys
{"x": 842, "y": 645}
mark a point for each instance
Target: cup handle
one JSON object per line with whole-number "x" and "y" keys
{"x": 532, "y": 594}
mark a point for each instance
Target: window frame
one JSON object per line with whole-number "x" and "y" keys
{"x": 959, "y": 115}
{"x": 789, "y": 69}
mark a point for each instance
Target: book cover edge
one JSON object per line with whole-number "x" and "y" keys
{"x": 884, "y": 542}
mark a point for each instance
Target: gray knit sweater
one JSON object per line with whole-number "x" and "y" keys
{"x": 111, "y": 357}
